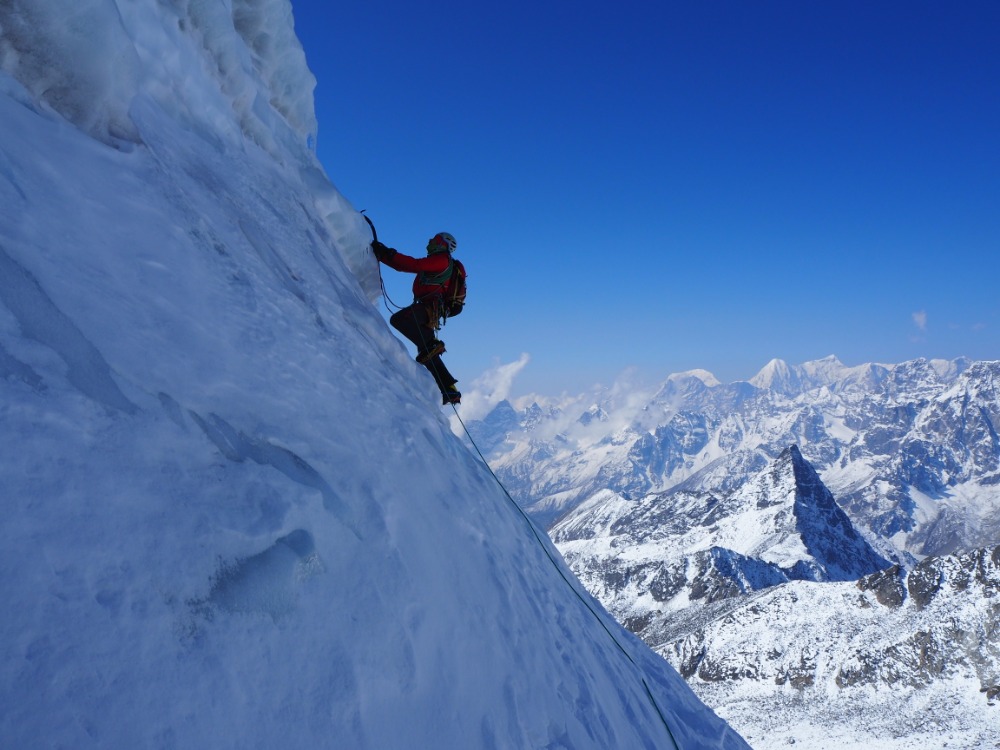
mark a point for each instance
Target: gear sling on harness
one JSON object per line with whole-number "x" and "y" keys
{"x": 450, "y": 300}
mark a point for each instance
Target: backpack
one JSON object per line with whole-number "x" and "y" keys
{"x": 453, "y": 295}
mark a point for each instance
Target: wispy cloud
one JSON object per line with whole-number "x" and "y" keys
{"x": 490, "y": 388}
{"x": 920, "y": 320}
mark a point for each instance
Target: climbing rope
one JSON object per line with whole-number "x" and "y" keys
{"x": 538, "y": 535}
{"x": 562, "y": 574}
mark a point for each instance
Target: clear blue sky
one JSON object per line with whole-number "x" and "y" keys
{"x": 678, "y": 185}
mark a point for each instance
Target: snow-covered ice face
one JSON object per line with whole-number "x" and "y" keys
{"x": 232, "y": 515}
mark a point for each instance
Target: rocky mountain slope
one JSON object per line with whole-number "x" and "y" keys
{"x": 664, "y": 552}
{"x": 788, "y": 623}
{"x": 814, "y": 549}
{"x": 894, "y": 660}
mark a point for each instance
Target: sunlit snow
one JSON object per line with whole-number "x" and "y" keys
{"x": 234, "y": 513}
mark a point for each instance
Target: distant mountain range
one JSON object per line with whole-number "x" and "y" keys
{"x": 816, "y": 547}
{"x": 685, "y": 546}
{"x": 911, "y": 451}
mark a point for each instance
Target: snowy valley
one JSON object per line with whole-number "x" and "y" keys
{"x": 225, "y": 520}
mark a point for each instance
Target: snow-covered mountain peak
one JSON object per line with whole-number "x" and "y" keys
{"x": 786, "y": 516}
{"x": 978, "y": 382}
{"x": 949, "y": 369}
{"x": 703, "y": 375}
{"x": 824, "y": 371}
{"x": 816, "y": 524}
{"x": 778, "y": 376}
{"x": 788, "y": 380}
{"x": 594, "y": 413}
{"x": 682, "y": 387}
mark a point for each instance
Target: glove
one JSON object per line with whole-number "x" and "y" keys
{"x": 382, "y": 253}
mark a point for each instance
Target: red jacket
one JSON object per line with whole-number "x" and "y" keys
{"x": 425, "y": 268}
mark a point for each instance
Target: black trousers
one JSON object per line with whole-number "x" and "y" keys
{"x": 414, "y": 322}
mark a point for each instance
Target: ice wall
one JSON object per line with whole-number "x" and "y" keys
{"x": 234, "y": 513}
{"x": 230, "y": 71}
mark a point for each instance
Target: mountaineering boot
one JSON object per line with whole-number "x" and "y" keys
{"x": 434, "y": 348}
{"x": 450, "y": 395}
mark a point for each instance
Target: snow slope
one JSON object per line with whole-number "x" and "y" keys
{"x": 234, "y": 514}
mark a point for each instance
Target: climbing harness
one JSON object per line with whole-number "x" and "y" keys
{"x": 440, "y": 306}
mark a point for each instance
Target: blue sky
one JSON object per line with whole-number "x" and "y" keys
{"x": 669, "y": 186}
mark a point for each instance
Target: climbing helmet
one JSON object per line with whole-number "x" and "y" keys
{"x": 441, "y": 242}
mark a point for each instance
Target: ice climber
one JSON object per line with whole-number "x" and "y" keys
{"x": 438, "y": 294}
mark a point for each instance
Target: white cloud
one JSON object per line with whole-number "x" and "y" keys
{"x": 624, "y": 402}
{"x": 920, "y": 319}
{"x": 490, "y": 388}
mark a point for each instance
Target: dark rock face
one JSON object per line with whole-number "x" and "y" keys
{"x": 722, "y": 574}
{"x": 826, "y": 530}
{"x": 800, "y": 676}
{"x": 887, "y": 585}
{"x": 935, "y": 575}
{"x": 924, "y": 583}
